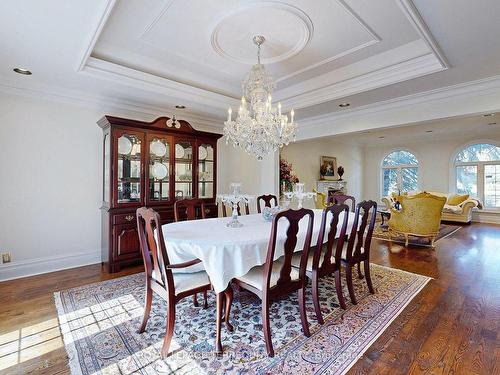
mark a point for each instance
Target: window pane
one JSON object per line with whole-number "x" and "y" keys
{"x": 492, "y": 186}
{"x": 390, "y": 181}
{"x": 467, "y": 180}
{"x": 409, "y": 179}
{"x": 479, "y": 152}
{"x": 400, "y": 157}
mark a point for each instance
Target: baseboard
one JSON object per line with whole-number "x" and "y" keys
{"x": 486, "y": 217}
{"x": 38, "y": 266}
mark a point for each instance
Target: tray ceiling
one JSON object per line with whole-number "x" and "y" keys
{"x": 316, "y": 50}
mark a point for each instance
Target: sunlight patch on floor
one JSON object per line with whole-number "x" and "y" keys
{"x": 29, "y": 342}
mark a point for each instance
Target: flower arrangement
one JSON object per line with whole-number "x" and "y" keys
{"x": 287, "y": 178}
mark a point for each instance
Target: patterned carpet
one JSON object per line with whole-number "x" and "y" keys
{"x": 99, "y": 324}
{"x": 445, "y": 230}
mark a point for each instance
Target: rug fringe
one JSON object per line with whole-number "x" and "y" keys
{"x": 69, "y": 342}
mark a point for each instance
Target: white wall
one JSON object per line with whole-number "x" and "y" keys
{"x": 434, "y": 163}
{"x": 257, "y": 177}
{"x": 50, "y": 185}
{"x": 305, "y": 159}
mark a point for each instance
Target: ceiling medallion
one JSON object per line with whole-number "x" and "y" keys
{"x": 242, "y": 22}
{"x": 259, "y": 128}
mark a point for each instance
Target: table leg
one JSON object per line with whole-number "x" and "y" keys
{"x": 220, "y": 306}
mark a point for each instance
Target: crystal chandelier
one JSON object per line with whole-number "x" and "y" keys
{"x": 259, "y": 127}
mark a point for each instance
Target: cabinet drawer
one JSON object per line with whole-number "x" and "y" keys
{"x": 211, "y": 210}
{"x": 128, "y": 218}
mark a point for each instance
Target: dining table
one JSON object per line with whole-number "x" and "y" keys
{"x": 227, "y": 253}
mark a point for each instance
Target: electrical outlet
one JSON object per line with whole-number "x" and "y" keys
{"x": 6, "y": 258}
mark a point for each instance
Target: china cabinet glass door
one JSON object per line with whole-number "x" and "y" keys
{"x": 183, "y": 186}
{"x": 128, "y": 168}
{"x": 206, "y": 169}
{"x": 159, "y": 168}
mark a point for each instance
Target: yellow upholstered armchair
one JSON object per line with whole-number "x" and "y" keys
{"x": 320, "y": 199}
{"x": 420, "y": 215}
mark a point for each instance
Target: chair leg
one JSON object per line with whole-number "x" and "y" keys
{"x": 315, "y": 293}
{"x": 350, "y": 287}
{"x": 267, "y": 328}
{"x": 205, "y": 303}
{"x": 366, "y": 264}
{"x": 195, "y": 300}
{"x": 303, "y": 314}
{"x": 338, "y": 287}
{"x": 227, "y": 308}
{"x": 433, "y": 239}
{"x": 406, "y": 240}
{"x": 169, "y": 333}
{"x": 360, "y": 274}
{"x": 147, "y": 309}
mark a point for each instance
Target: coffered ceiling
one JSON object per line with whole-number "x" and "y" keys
{"x": 150, "y": 55}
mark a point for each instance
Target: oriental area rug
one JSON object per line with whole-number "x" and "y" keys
{"x": 99, "y": 324}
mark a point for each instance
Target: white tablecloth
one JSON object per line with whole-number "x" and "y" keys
{"x": 227, "y": 253}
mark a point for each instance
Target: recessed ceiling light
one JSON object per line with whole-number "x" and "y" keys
{"x": 489, "y": 114}
{"x": 381, "y": 137}
{"x": 492, "y": 123}
{"x": 428, "y": 131}
{"x": 26, "y": 72}
{"x": 344, "y": 105}
{"x": 180, "y": 106}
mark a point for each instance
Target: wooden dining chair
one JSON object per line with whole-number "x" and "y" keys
{"x": 357, "y": 249}
{"x": 325, "y": 259}
{"x": 224, "y": 210}
{"x": 160, "y": 279}
{"x": 278, "y": 278}
{"x": 267, "y": 199}
{"x": 342, "y": 199}
{"x": 186, "y": 208}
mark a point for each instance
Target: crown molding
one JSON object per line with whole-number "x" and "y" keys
{"x": 409, "y": 69}
{"x": 107, "y": 105}
{"x": 152, "y": 83}
{"x": 483, "y": 96}
{"x": 413, "y": 15}
{"x": 104, "y": 16}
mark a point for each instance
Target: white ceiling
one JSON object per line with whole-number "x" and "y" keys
{"x": 150, "y": 55}
{"x": 477, "y": 126}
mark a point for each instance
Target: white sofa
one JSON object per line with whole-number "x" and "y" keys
{"x": 461, "y": 213}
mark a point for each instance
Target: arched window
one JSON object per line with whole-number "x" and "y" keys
{"x": 399, "y": 172}
{"x": 477, "y": 171}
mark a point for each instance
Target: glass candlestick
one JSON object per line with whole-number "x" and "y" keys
{"x": 234, "y": 199}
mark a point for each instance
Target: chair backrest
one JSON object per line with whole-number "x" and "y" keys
{"x": 421, "y": 213}
{"x": 267, "y": 201}
{"x": 360, "y": 237}
{"x": 342, "y": 199}
{"x": 148, "y": 221}
{"x": 190, "y": 206}
{"x": 224, "y": 209}
{"x": 289, "y": 247}
{"x": 332, "y": 214}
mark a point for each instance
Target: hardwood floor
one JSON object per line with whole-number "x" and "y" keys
{"x": 451, "y": 327}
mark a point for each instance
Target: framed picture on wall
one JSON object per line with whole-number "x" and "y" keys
{"x": 328, "y": 167}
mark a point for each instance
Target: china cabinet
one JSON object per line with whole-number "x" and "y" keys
{"x": 150, "y": 164}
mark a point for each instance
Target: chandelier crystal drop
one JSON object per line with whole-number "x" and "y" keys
{"x": 259, "y": 128}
